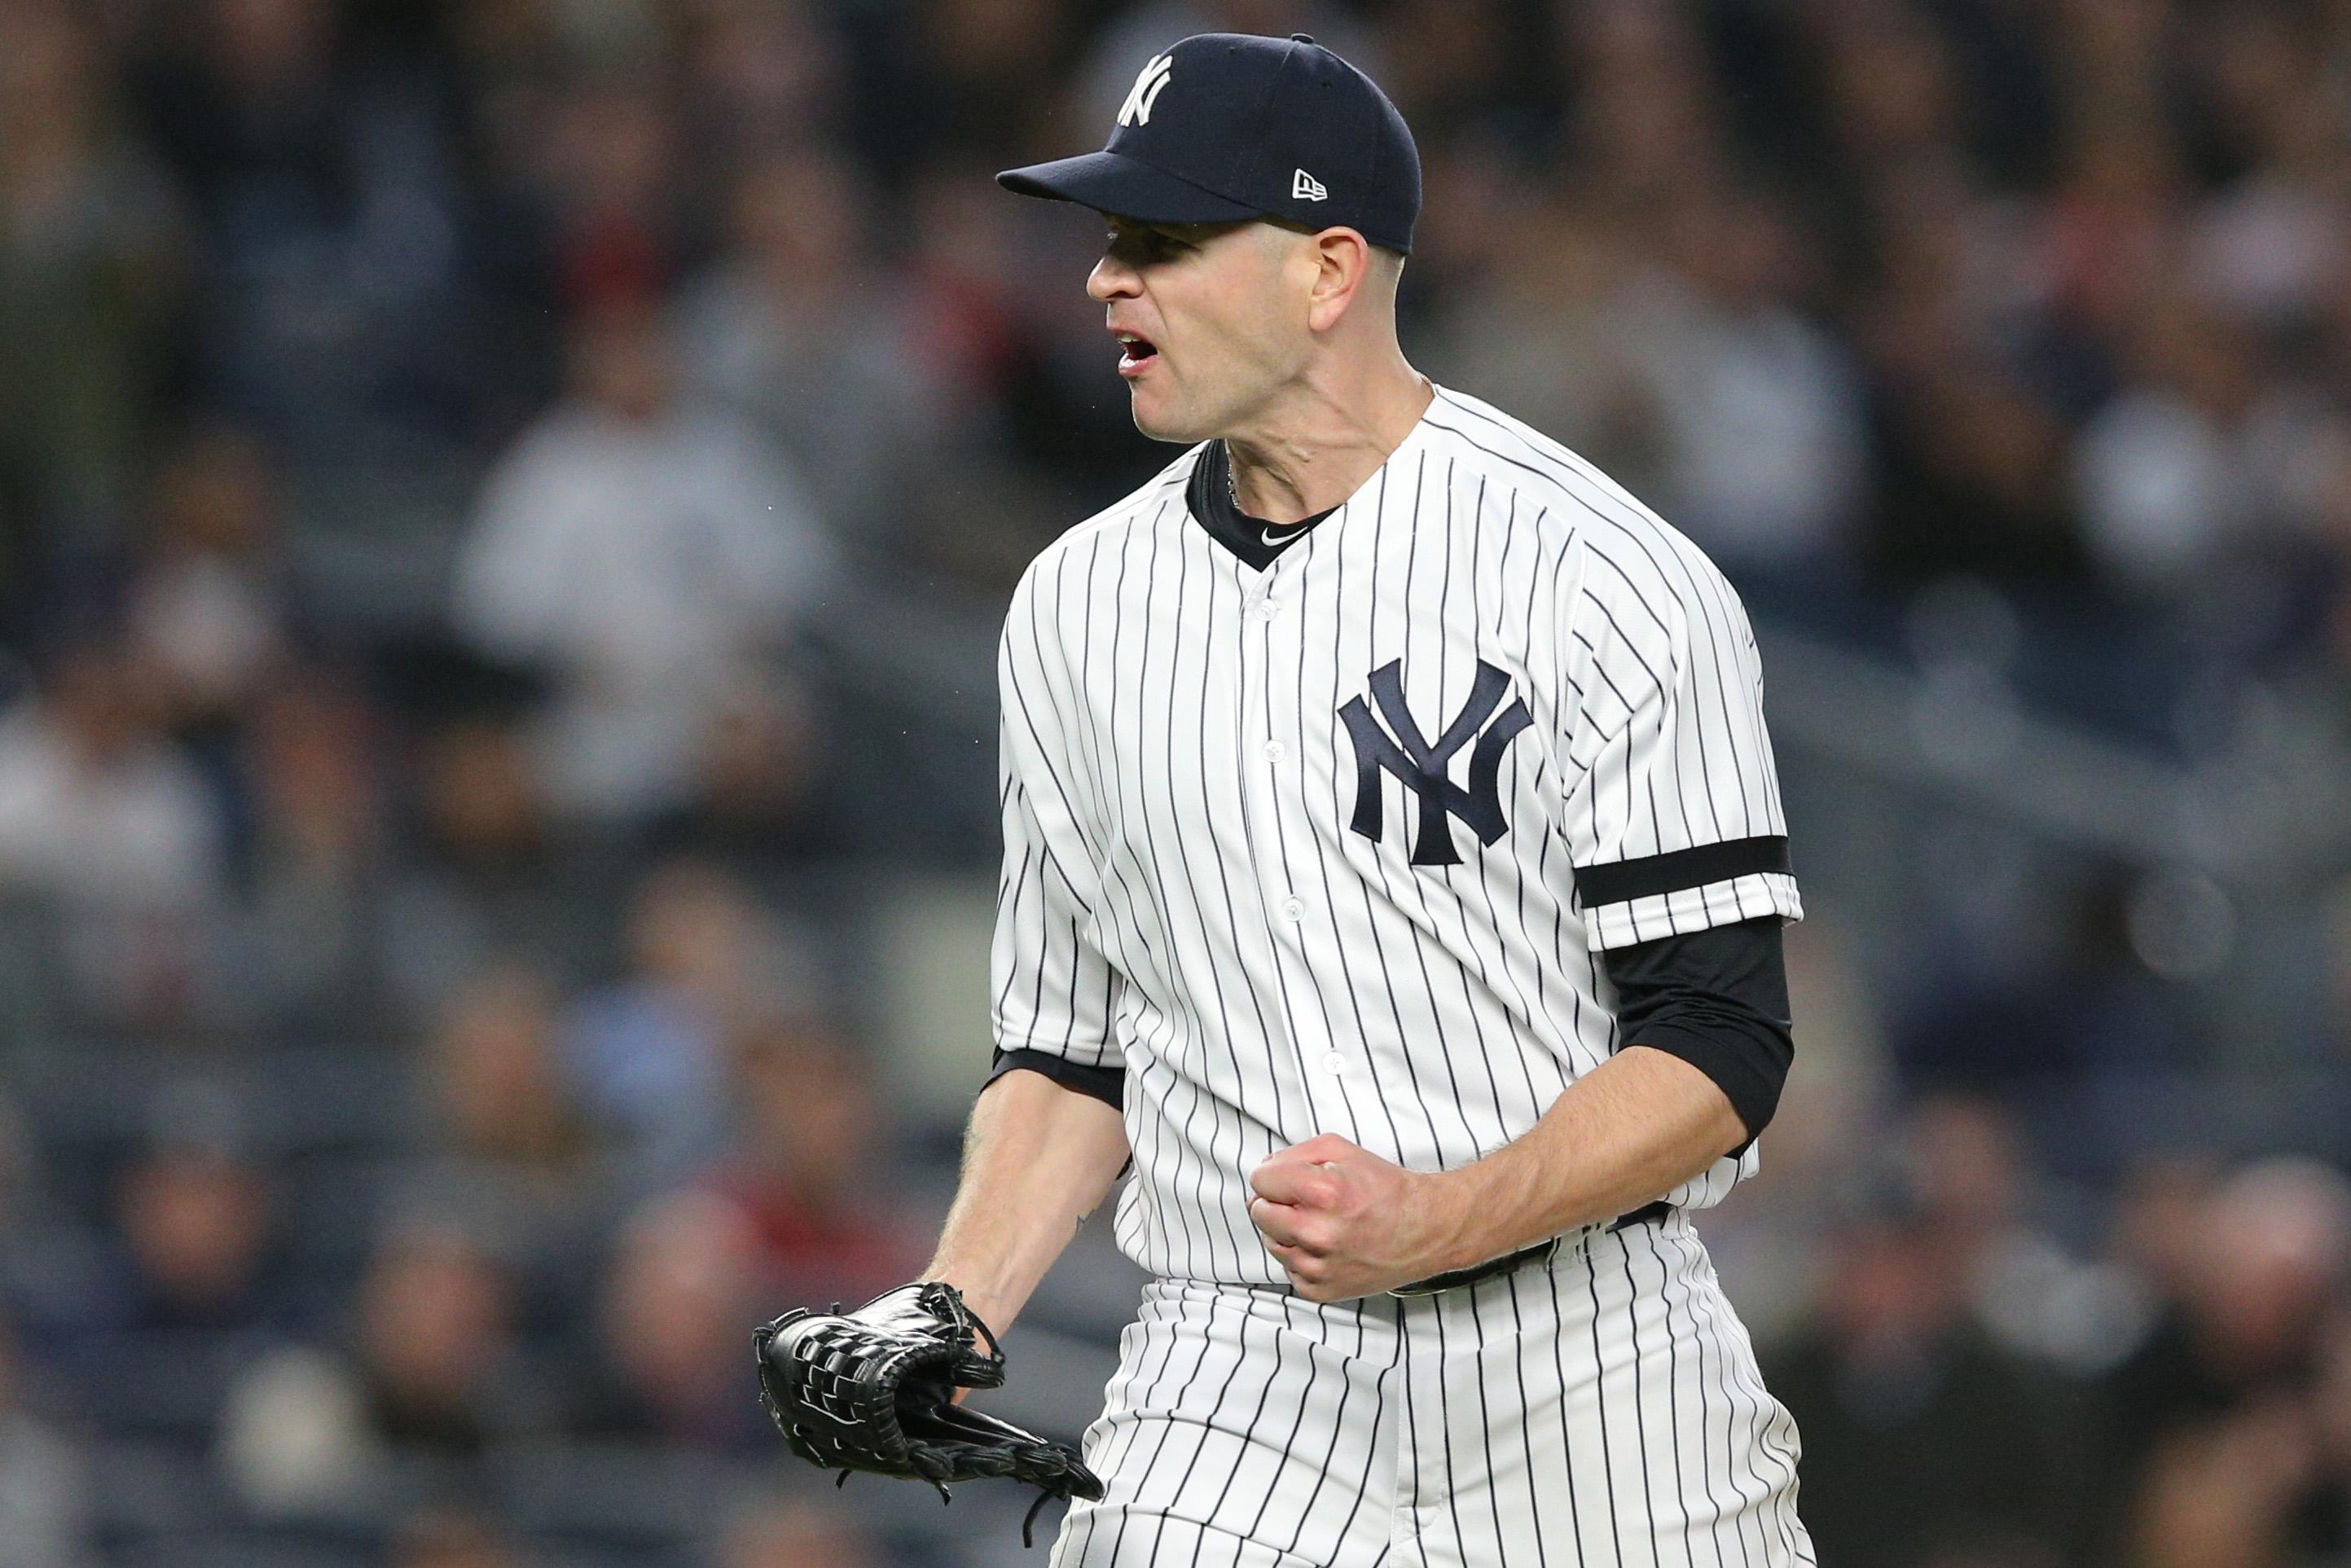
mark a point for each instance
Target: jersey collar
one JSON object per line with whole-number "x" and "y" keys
{"x": 1209, "y": 496}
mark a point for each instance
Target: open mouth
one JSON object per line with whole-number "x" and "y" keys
{"x": 1135, "y": 353}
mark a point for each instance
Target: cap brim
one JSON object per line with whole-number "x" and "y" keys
{"x": 1114, "y": 183}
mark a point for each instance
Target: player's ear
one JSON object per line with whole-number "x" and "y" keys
{"x": 1343, "y": 265}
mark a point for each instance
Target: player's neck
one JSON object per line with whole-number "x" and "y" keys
{"x": 1324, "y": 442}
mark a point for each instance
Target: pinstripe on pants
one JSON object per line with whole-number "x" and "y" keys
{"x": 1603, "y": 1409}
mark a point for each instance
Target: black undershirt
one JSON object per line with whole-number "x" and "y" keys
{"x": 1717, "y": 998}
{"x": 1209, "y": 496}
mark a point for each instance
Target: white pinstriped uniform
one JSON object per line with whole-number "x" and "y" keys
{"x": 1189, "y": 893}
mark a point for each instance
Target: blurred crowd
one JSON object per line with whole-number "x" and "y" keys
{"x": 503, "y": 507}
{"x": 1994, "y": 1367}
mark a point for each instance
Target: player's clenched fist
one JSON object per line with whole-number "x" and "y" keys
{"x": 1344, "y": 1222}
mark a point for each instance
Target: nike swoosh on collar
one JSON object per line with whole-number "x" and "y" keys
{"x": 1278, "y": 535}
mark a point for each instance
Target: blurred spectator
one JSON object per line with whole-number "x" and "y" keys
{"x": 316, "y": 841}
{"x": 2224, "y": 1381}
{"x": 196, "y": 1218}
{"x": 2106, "y": 240}
{"x": 332, "y": 309}
{"x": 1645, "y": 120}
{"x": 2239, "y": 1490}
{"x": 434, "y": 1377}
{"x": 199, "y": 1291}
{"x": 638, "y": 552}
{"x": 762, "y": 801}
{"x": 498, "y": 1085}
{"x": 2269, "y": 241}
{"x": 970, "y": 74}
{"x": 813, "y": 1170}
{"x": 1965, "y": 1158}
{"x": 804, "y": 301}
{"x": 96, "y": 808}
{"x": 1893, "y": 99}
{"x": 781, "y": 1532}
{"x": 1446, "y": 65}
{"x": 2323, "y": 1513}
{"x": 1761, "y": 413}
{"x": 91, "y": 262}
{"x": 45, "y": 1481}
{"x": 247, "y": 103}
{"x": 2159, "y": 1204}
{"x": 486, "y": 870}
{"x": 993, "y": 288}
{"x": 609, "y": 177}
{"x": 759, "y": 74}
{"x": 1533, "y": 333}
{"x": 2265, "y": 1482}
{"x": 1923, "y": 1442}
{"x": 2182, "y": 471}
{"x": 671, "y": 1326}
{"x": 651, "y": 1053}
{"x": 1971, "y": 456}
{"x": 206, "y": 602}
{"x": 437, "y": 1358}
{"x": 510, "y": 1139}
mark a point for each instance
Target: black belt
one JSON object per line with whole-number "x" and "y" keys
{"x": 1539, "y": 1252}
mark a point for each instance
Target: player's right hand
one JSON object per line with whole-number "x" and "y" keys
{"x": 1344, "y": 1222}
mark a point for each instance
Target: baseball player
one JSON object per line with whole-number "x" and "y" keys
{"x": 1393, "y": 873}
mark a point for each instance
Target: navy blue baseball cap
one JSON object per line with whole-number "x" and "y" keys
{"x": 1227, "y": 126}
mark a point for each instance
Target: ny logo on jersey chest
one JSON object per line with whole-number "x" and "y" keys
{"x": 1421, "y": 764}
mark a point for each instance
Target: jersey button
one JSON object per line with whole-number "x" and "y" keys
{"x": 1294, "y": 909}
{"x": 1335, "y": 1062}
{"x": 1275, "y": 751}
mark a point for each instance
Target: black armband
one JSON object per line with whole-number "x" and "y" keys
{"x": 1717, "y": 998}
{"x": 1651, "y": 876}
{"x": 1107, "y": 1084}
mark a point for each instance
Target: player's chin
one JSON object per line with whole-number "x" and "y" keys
{"x": 1158, "y": 415}
{"x": 1154, "y": 422}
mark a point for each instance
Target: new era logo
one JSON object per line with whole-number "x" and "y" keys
{"x": 1136, "y": 110}
{"x": 1305, "y": 187}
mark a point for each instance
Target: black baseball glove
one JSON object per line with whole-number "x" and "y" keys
{"x": 875, "y": 1390}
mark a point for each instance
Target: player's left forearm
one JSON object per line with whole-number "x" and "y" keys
{"x": 1619, "y": 1137}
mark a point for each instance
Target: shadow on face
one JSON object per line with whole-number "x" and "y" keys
{"x": 1217, "y": 315}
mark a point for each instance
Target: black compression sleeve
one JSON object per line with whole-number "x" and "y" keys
{"x": 1717, "y": 998}
{"x": 1107, "y": 1084}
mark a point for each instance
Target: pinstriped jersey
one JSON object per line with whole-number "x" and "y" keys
{"x": 1332, "y": 844}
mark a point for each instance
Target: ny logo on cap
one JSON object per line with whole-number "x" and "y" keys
{"x": 1305, "y": 187}
{"x": 1136, "y": 110}
{"x": 1421, "y": 764}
